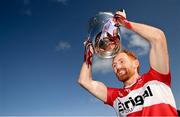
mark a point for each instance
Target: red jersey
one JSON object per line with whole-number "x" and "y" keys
{"x": 150, "y": 96}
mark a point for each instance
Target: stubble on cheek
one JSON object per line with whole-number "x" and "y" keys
{"x": 122, "y": 74}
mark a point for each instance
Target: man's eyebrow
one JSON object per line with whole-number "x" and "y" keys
{"x": 117, "y": 60}
{"x": 113, "y": 63}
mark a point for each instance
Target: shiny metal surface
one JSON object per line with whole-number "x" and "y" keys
{"x": 105, "y": 36}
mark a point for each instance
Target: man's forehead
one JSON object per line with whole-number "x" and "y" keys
{"x": 119, "y": 56}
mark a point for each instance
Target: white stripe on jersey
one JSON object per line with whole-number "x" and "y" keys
{"x": 161, "y": 93}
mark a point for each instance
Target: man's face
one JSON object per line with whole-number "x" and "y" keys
{"x": 123, "y": 66}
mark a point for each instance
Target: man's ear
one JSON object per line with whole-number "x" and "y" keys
{"x": 136, "y": 63}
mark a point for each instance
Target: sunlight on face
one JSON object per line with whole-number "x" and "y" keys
{"x": 123, "y": 66}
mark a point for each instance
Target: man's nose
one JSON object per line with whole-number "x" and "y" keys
{"x": 118, "y": 66}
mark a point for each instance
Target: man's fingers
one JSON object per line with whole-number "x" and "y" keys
{"x": 121, "y": 12}
{"x": 91, "y": 49}
{"x": 120, "y": 17}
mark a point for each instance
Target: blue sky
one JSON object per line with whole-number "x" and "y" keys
{"x": 41, "y": 52}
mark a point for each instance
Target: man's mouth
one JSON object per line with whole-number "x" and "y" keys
{"x": 121, "y": 71}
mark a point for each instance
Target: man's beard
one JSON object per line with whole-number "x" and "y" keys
{"x": 123, "y": 74}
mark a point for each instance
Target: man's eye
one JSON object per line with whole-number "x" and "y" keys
{"x": 114, "y": 65}
{"x": 121, "y": 61}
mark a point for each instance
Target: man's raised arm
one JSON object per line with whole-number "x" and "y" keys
{"x": 159, "y": 59}
{"x": 98, "y": 89}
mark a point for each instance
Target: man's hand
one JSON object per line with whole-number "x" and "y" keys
{"x": 120, "y": 19}
{"x": 88, "y": 52}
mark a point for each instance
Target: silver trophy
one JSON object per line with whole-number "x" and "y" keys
{"x": 105, "y": 35}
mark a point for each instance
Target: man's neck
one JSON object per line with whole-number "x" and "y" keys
{"x": 131, "y": 81}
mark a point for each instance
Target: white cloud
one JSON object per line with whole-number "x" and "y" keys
{"x": 62, "y": 45}
{"x": 101, "y": 65}
{"x": 124, "y": 31}
{"x": 140, "y": 45}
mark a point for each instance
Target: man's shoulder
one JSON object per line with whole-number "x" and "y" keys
{"x": 153, "y": 75}
{"x": 114, "y": 88}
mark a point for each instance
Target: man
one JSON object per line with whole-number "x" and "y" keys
{"x": 146, "y": 95}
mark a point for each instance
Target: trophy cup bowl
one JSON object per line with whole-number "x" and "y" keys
{"x": 105, "y": 36}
